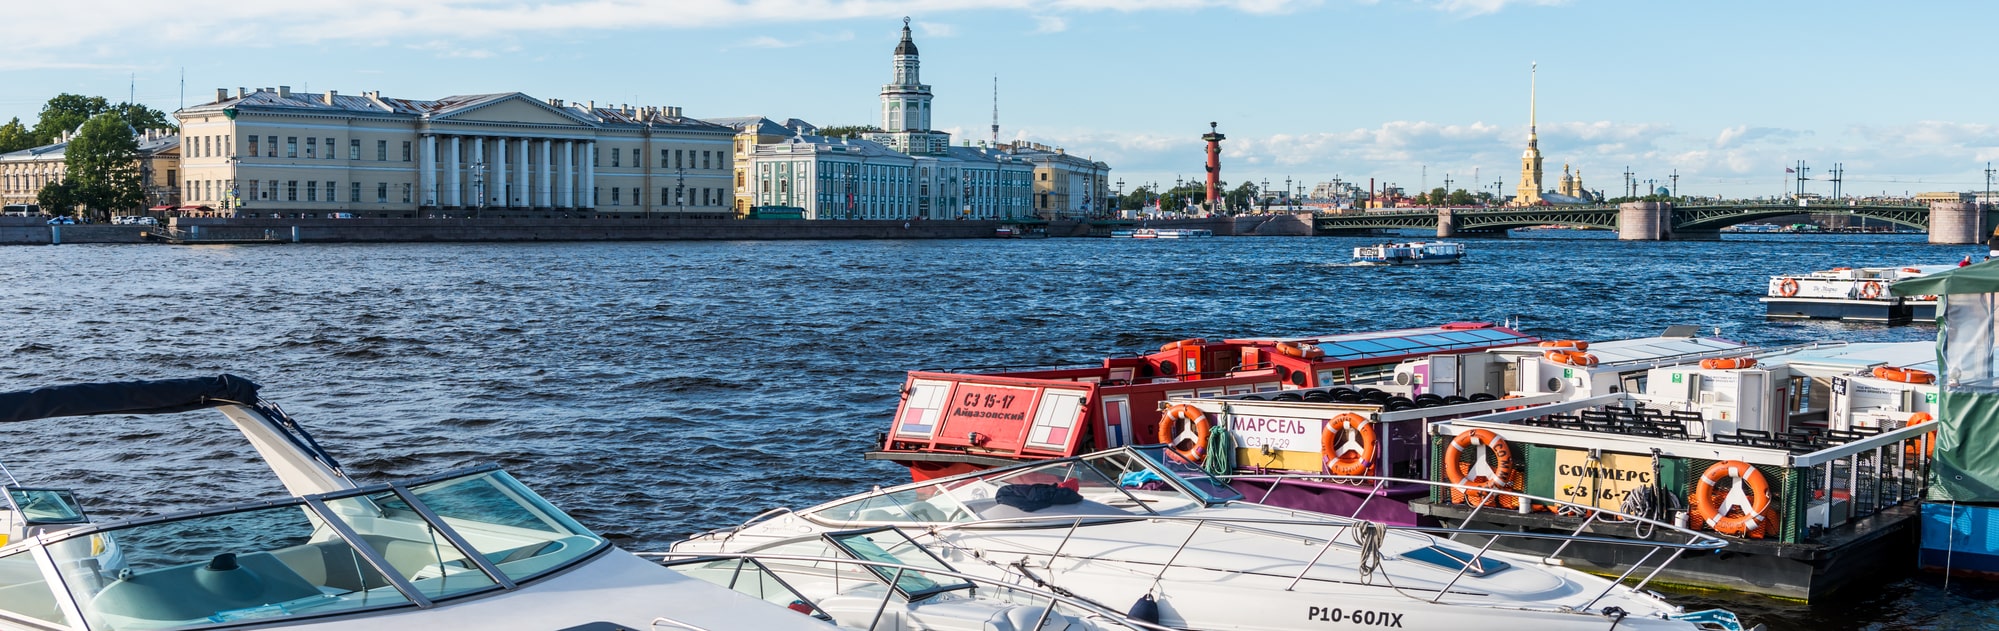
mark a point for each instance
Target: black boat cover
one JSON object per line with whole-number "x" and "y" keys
{"x": 130, "y": 397}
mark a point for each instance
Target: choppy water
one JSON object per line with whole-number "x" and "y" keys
{"x": 657, "y": 389}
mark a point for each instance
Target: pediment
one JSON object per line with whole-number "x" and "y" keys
{"x": 512, "y": 108}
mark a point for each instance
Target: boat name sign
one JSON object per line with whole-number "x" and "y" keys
{"x": 1280, "y": 433}
{"x": 1602, "y": 482}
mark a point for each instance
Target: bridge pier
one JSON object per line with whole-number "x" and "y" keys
{"x": 1447, "y": 223}
{"x": 1645, "y": 221}
{"x": 1957, "y": 223}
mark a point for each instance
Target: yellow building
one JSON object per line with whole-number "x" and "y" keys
{"x": 23, "y": 173}
{"x": 750, "y": 132}
{"x": 1065, "y": 186}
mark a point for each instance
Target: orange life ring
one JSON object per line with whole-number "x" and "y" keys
{"x": 1173, "y": 435}
{"x": 1929, "y": 438}
{"x": 1576, "y": 345}
{"x": 1357, "y": 460}
{"x": 1192, "y": 341}
{"x": 1841, "y": 269}
{"x": 1459, "y": 470}
{"x": 1904, "y": 375}
{"x": 1727, "y": 363}
{"x": 1912, "y": 270}
{"x": 1787, "y": 287}
{"x": 1512, "y": 396}
{"x": 1303, "y": 350}
{"x": 1571, "y": 358}
{"x": 1724, "y": 514}
{"x": 1870, "y": 290}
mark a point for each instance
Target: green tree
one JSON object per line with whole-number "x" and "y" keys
{"x": 14, "y": 136}
{"x": 1460, "y": 197}
{"x": 1243, "y": 196}
{"x": 58, "y": 198}
{"x": 142, "y": 118}
{"x": 1137, "y": 198}
{"x": 66, "y": 112}
{"x": 103, "y": 162}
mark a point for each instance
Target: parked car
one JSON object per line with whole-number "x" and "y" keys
{"x": 62, "y": 221}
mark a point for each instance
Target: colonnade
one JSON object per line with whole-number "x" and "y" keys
{"x": 500, "y": 169}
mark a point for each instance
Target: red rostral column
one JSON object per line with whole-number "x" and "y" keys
{"x": 1214, "y": 167}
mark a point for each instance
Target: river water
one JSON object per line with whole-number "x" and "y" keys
{"x": 658, "y": 389}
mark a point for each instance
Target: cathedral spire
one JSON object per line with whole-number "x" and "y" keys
{"x": 1533, "y": 75}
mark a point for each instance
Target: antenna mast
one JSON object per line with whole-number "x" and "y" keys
{"x": 995, "y": 111}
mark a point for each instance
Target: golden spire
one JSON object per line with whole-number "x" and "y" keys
{"x": 1533, "y": 73}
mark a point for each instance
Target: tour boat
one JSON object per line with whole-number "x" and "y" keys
{"x": 1162, "y": 233}
{"x": 1845, "y": 293}
{"x": 469, "y": 549}
{"x": 1139, "y": 526}
{"x": 1416, "y": 253}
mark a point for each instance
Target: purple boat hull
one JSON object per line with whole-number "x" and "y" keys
{"x": 1390, "y": 505}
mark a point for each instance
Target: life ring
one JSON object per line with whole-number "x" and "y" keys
{"x": 1173, "y": 434}
{"x": 1512, "y": 396}
{"x": 1302, "y": 350}
{"x": 1787, "y": 287}
{"x": 1904, "y": 375}
{"x": 1192, "y": 341}
{"x": 1870, "y": 290}
{"x": 1736, "y": 512}
{"x": 1348, "y": 456}
{"x": 1928, "y": 438}
{"x": 1475, "y": 472}
{"x": 1727, "y": 363}
{"x": 1912, "y": 270}
{"x": 1574, "y": 345}
{"x": 1571, "y": 358}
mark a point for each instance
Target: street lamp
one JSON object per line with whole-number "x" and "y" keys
{"x": 679, "y": 189}
{"x": 235, "y": 183}
{"x": 479, "y": 188}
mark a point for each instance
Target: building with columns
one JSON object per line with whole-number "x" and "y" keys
{"x": 505, "y": 154}
{"x": 23, "y": 173}
{"x": 1065, "y": 186}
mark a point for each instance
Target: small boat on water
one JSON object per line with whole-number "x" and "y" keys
{"x": 1162, "y": 233}
{"x": 467, "y": 549}
{"x": 1847, "y": 293}
{"x": 1140, "y": 526}
{"x": 1415, "y": 253}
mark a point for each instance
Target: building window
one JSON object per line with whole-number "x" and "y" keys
{"x": 596, "y": 194}
{"x": 662, "y": 159}
{"x": 291, "y": 190}
{"x": 329, "y": 192}
{"x": 406, "y": 187}
{"x": 704, "y": 160}
{"x": 273, "y": 194}
{"x": 172, "y": 175}
{"x": 291, "y": 146}
{"x": 614, "y": 191}
{"x": 677, "y": 162}
{"x": 252, "y": 193}
{"x": 253, "y": 144}
{"x": 382, "y": 191}
{"x": 354, "y": 188}
{"x": 311, "y": 144}
{"x": 354, "y": 150}
{"x": 382, "y": 155}
{"x": 594, "y": 161}
{"x": 312, "y": 191}
{"x": 614, "y": 164}
{"x": 406, "y": 154}
{"x": 637, "y": 158}
{"x": 329, "y": 149}
{"x": 665, "y": 194}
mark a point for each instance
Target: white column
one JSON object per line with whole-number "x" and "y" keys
{"x": 566, "y": 191}
{"x": 426, "y": 194}
{"x": 520, "y": 174}
{"x": 542, "y": 196}
{"x": 589, "y": 173}
{"x": 497, "y": 181}
{"x": 451, "y": 186}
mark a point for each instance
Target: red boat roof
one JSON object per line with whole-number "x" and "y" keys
{"x": 1421, "y": 340}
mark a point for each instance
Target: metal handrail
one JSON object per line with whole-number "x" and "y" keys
{"x": 1095, "y": 611}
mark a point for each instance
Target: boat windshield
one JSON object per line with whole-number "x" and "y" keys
{"x": 317, "y": 555}
{"x": 46, "y": 506}
{"x": 1117, "y": 483}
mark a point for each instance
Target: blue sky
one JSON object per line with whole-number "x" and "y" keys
{"x": 1725, "y": 93}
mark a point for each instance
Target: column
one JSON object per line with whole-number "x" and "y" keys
{"x": 479, "y": 163}
{"x": 541, "y": 193}
{"x": 589, "y": 174}
{"x": 520, "y": 174}
{"x": 497, "y": 182}
{"x": 426, "y": 194}
{"x": 451, "y": 186}
{"x": 567, "y": 194}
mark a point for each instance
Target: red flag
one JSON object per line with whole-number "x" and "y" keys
{"x": 1789, "y": 170}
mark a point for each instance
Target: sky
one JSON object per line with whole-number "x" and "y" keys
{"x": 1725, "y": 94}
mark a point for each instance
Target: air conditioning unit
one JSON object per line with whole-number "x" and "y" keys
{"x": 1403, "y": 378}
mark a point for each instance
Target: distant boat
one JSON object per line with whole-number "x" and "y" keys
{"x": 1417, "y": 253}
{"x": 1162, "y": 233}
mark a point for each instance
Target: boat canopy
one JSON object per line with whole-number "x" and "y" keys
{"x": 1371, "y": 344}
{"x": 131, "y": 397}
{"x": 1966, "y": 465}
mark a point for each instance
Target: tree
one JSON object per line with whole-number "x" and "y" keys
{"x": 14, "y": 136}
{"x": 1243, "y": 195}
{"x": 847, "y": 131}
{"x": 1136, "y": 199}
{"x": 143, "y": 118}
{"x": 66, "y": 112}
{"x": 102, "y": 161}
{"x": 58, "y": 198}
{"x": 1460, "y": 197}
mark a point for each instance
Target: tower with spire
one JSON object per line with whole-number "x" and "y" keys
{"x": 1529, "y": 192}
{"x": 906, "y": 106}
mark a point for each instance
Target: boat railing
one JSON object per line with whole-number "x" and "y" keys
{"x": 890, "y": 573}
{"x": 1646, "y": 533}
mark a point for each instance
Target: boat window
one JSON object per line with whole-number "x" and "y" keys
{"x": 1455, "y": 560}
{"x": 1191, "y": 475}
{"x": 750, "y": 577}
{"x": 47, "y": 506}
{"x": 24, "y": 592}
{"x": 521, "y": 533}
{"x": 411, "y": 545}
{"x": 1970, "y": 362}
{"x": 255, "y": 564}
{"x": 924, "y": 504}
{"x": 888, "y": 545}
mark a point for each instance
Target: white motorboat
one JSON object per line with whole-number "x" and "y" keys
{"x": 470, "y": 549}
{"x": 1417, "y": 253}
{"x": 1124, "y": 526}
{"x": 1845, "y": 293}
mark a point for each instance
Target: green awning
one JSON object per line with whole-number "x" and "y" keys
{"x": 1982, "y": 278}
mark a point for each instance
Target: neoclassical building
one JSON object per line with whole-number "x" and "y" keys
{"x": 23, "y": 173}
{"x": 500, "y": 154}
{"x": 1065, "y": 186}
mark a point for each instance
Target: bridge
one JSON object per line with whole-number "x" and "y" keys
{"x": 1946, "y": 222}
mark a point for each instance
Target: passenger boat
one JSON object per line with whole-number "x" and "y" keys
{"x": 1960, "y": 517}
{"x": 1416, "y": 253}
{"x": 1162, "y": 233}
{"x": 1138, "y": 525}
{"x": 1845, "y": 293}
{"x": 468, "y": 549}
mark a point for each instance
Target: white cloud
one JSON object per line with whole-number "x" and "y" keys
{"x": 1049, "y": 24}
{"x": 1485, "y": 7}
{"x": 936, "y": 29}
{"x": 767, "y": 41}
